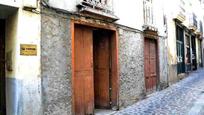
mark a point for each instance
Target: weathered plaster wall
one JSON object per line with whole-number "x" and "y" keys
{"x": 28, "y": 67}
{"x": 172, "y": 53}
{"x": 56, "y": 63}
{"x": 163, "y": 61}
{"x": 131, "y": 62}
{"x": 23, "y": 84}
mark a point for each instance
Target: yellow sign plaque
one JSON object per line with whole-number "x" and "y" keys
{"x": 28, "y": 49}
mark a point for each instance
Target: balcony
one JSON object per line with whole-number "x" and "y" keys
{"x": 100, "y": 8}
{"x": 148, "y": 13}
{"x": 193, "y": 22}
{"x": 180, "y": 12}
{"x": 148, "y": 16}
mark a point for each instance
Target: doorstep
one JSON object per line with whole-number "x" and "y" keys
{"x": 104, "y": 112}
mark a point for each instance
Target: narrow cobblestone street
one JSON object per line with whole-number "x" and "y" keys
{"x": 183, "y": 98}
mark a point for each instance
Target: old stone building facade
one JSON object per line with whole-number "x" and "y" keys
{"x": 185, "y": 34}
{"x": 77, "y": 56}
{"x": 58, "y": 64}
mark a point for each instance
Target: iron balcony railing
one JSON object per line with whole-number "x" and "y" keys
{"x": 102, "y": 5}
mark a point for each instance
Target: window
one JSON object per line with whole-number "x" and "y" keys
{"x": 148, "y": 12}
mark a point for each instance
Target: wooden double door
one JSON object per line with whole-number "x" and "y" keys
{"x": 2, "y": 68}
{"x": 150, "y": 64}
{"x": 92, "y": 80}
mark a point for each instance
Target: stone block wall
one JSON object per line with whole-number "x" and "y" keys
{"x": 56, "y": 63}
{"x": 131, "y": 66}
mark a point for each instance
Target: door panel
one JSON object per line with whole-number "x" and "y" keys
{"x": 101, "y": 69}
{"x": 2, "y": 68}
{"x": 83, "y": 71}
{"x": 180, "y": 50}
{"x": 153, "y": 64}
{"x": 147, "y": 73}
{"x": 150, "y": 55}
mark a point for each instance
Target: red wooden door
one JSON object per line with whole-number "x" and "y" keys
{"x": 2, "y": 69}
{"x": 83, "y": 71}
{"x": 150, "y": 52}
{"x": 101, "y": 69}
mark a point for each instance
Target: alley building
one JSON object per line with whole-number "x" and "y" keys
{"x": 76, "y": 57}
{"x": 94, "y": 57}
{"x": 185, "y": 35}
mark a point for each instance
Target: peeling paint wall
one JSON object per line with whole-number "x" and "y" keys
{"x": 172, "y": 53}
{"x": 56, "y": 63}
{"x": 131, "y": 63}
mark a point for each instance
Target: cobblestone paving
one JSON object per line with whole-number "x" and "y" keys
{"x": 182, "y": 98}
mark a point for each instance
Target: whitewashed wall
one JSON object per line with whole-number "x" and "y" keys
{"x": 130, "y": 13}
{"x": 159, "y": 16}
{"x": 14, "y": 3}
{"x": 69, "y": 5}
